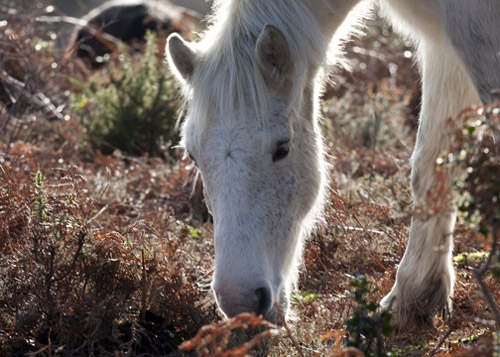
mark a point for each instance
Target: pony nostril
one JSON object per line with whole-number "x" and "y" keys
{"x": 264, "y": 301}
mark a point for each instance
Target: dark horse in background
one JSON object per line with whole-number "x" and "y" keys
{"x": 127, "y": 21}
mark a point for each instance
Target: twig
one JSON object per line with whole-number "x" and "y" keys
{"x": 374, "y": 258}
{"x": 441, "y": 341}
{"x": 95, "y": 331}
{"x": 38, "y": 99}
{"x": 479, "y": 274}
{"x": 109, "y": 40}
{"x": 287, "y": 329}
{"x": 376, "y": 130}
{"x": 82, "y": 234}
{"x": 144, "y": 286}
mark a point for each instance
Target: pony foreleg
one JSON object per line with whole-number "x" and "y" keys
{"x": 425, "y": 277}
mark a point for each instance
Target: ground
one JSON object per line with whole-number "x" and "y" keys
{"x": 111, "y": 254}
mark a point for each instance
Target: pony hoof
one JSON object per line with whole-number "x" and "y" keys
{"x": 415, "y": 315}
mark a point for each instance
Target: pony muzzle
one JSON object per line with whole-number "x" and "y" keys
{"x": 258, "y": 301}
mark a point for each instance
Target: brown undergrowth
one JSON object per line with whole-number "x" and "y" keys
{"x": 112, "y": 254}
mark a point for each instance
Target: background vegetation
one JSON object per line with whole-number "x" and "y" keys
{"x": 104, "y": 248}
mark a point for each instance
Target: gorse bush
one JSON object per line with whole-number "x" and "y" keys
{"x": 133, "y": 107}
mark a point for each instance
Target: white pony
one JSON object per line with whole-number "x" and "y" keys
{"x": 252, "y": 84}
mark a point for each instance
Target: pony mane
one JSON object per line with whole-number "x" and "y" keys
{"x": 228, "y": 79}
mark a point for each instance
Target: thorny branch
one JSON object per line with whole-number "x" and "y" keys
{"x": 37, "y": 99}
{"x": 479, "y": 274}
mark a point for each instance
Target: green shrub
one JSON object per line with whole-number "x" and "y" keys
{"x": 133, "y": 107}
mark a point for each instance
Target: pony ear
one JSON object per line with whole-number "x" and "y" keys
{"x": 181, "y": 56}
{"x": 273, "y": 55}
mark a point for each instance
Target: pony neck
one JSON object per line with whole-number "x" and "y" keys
{"x": 336, "y": 20}
{"x": 331, "y": 14}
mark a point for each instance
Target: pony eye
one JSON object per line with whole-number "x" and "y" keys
{"x": 282, "y": 150}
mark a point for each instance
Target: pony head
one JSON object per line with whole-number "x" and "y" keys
{"x": 251, "y": 128}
